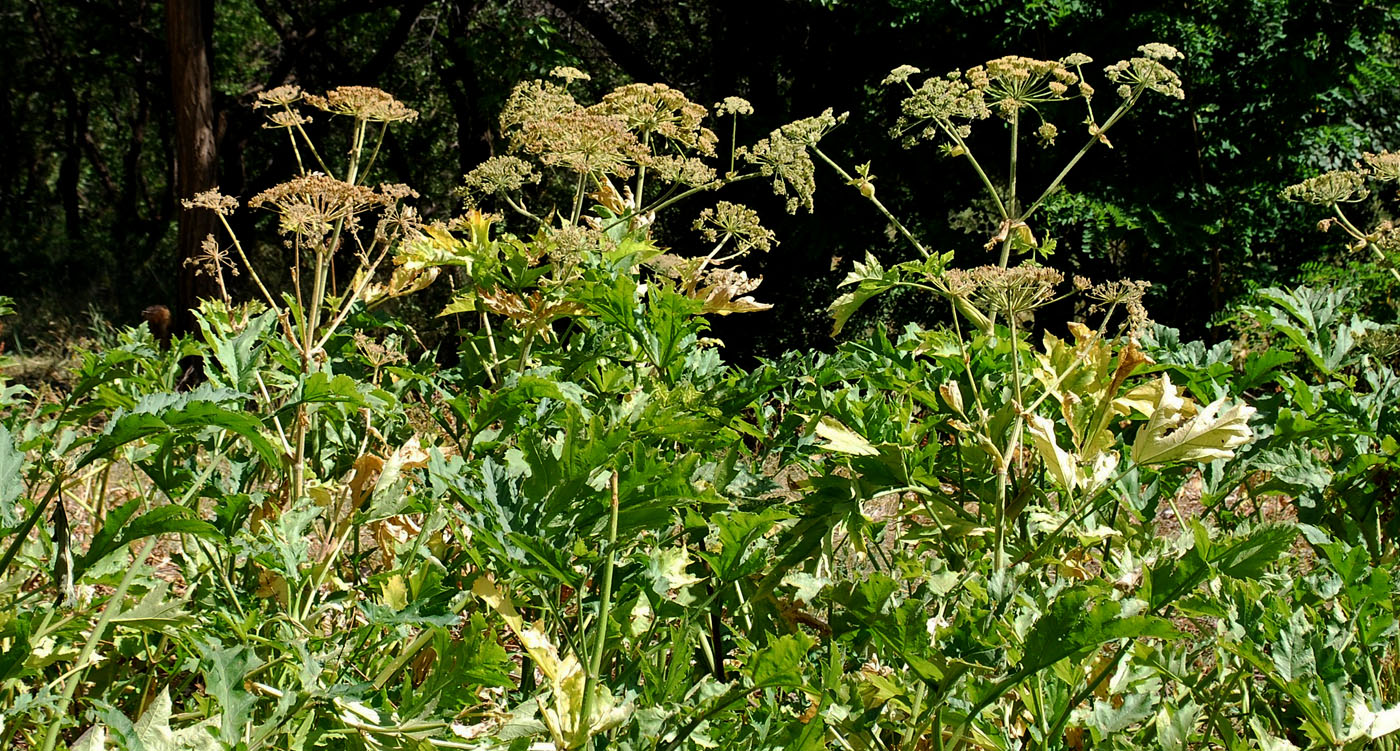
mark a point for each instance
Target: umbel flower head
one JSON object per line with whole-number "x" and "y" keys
{"x": 783, "y": 156}
{"x": 1147, "y": 72}
{"x": 946, "y": 102}
{"x": 1014, "y": 291}
{"x": 363, "y": 103}
{"x": 733, "y": 105}
{"x": 659, "y": 110}
{"x": 497, "y": 175}
{"x": 732, "y": 221}
{"x": 1014, "y": 82}
{"x": 1384, "y": 166}
{"x": 282, "y": 96}
{"x": 214, "y": 201}
{"x": 1328, "y": 188}
{"x": 310, "y": 205}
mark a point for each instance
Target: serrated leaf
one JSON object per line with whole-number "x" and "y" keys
{"x": 871, "y": 279}
{"x": 154, "y": 732}
{"x": 224, "y": 669}
{"x": 117, "y": 532}
{"x": 780, "y": 663}
{"x": 154, "y": 612}
{"x": 1080, "y": 619}
{"x": 1175, "y": 725}
{"x": 667, "y": 570}
{"x": 11, "y": 478}
{"x": 164, "y": 414}
{"x": 1174, "y": 434}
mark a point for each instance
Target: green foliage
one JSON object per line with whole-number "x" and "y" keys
{"x": 590, "y": 531}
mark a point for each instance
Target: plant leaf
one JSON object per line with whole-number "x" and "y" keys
{"x": 1174, "y": 434}
{"x": 842, "y": 439}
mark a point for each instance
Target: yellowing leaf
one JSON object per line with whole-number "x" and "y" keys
{"x": 1177, "y": 433}
{"x": 842, "y": 439}
{"x": 1057, "y": 460}
{"x": 395, "y": 593}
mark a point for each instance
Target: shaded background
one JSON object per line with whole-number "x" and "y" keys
{"x": 93, "y": 156}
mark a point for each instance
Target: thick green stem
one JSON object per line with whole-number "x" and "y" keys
{"x": 1011, "y": 186}
{"x": 110, "y": 611}
{"x": 595, "y": 666}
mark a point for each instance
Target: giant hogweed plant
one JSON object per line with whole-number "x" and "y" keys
{"x": 1028, "y": 490}
{"x": 573, "y": 541}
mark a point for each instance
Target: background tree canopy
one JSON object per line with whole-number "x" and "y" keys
{"x": 1275, "y": 90}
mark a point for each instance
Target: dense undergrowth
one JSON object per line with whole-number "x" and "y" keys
{"x": 589, "y": 531}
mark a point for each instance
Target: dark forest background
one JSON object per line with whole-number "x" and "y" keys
{"x": 115, "y": 109}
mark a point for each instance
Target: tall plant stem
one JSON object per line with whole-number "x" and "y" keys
{"x": 1011, "y": 186}
{"x": 1112, "y": 119}
{"x": 1362, "y": 237}
{"x": 112, "y": 609}
{"x": 595, "y": 665}
{"x": 992, "y": 191}
{"x": 578, "y": 198}
{"x": 899, "y": 226}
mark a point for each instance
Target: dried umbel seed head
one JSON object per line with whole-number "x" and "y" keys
{"x": 533, "y": 101}
{"x": 659, "y": 110}
{"x": 1124, "y": 293}
{"x": 569, "y": 74}
{"x": 732, "y": 221}
{"x": 688, "y": 171}
{"x": 363, "y": 103}
{"x": 1014, "y": 291}
{"x": 956, "y": 283}
{"x": 584, "y": 142}
{"x": 1328, "y": 188}
{"x": 900, "y": 75}
{"x": 211, "y": 259}
{"x": 282, "y": 96}
{"x": 285, "y": 119}
{"x": 214, "y": 201}
{"x": 311, "y": 204}
{"x": 1384, "y": 166}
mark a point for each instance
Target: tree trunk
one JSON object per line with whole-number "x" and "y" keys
{"x": 189, "y": 32}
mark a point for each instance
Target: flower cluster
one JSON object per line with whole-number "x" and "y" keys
{"x": 282, "y": 96}
{"x": 1014, "y": 291}
{"x": 1384, "y": 166}
{"x": 1328, "y": 189}
{"x": 659, "y": 110}
{"x": 940, "y": 103}
{"x": 497, "y": 175}
{"x": 1014, "y": 82}
{"x": 733, "y": 105}
{"x": 1124, "y": 293}
{"x": 310, "y": 205}
{"x": 783, "y": 156}
{"x": 689, "y": 171}
{"x": 732, "y": 221}
{"x": 214, "y": 201}
{"x": 363, "y": 103}
{"x": 1147, "y": 72}
{"x": 584, "y": 142}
